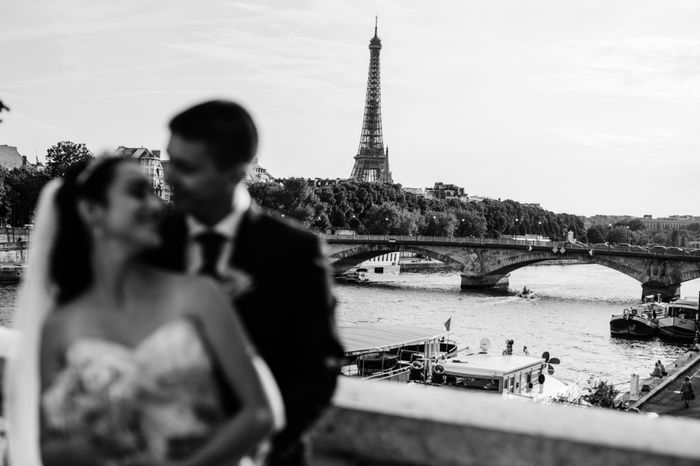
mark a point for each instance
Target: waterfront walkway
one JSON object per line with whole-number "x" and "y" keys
{"x": 664, "y": 398}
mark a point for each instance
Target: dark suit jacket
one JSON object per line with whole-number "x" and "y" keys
{"x": 288, "y": 311}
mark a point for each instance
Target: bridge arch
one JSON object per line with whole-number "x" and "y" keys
{"x": 344, "y": 260}
{"x": 520, "y": 261}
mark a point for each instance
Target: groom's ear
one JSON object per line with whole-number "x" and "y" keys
{"x": 237, "y": 172}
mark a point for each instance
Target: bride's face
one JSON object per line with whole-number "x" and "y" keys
{"x": 132, "y": 212}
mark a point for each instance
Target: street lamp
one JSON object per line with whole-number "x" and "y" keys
{"x": 627, "y": 230}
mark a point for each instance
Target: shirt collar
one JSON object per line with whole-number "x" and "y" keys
{"x": 228, "y": 225}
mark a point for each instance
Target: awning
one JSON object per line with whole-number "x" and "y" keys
{"x": 371, "y": 338}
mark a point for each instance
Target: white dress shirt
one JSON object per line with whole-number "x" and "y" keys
{"x": 227, "y": 227}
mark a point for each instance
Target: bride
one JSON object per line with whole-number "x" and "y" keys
{"x": 120, "y": 363}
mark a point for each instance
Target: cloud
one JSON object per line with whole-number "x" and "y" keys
{"x": 649, "y": 67}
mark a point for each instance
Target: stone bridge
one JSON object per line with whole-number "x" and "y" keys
{"x": 487, "y": 263}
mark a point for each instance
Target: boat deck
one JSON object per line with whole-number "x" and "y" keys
{"x": 490, "y": 364}
{"x": 374, "y": 338}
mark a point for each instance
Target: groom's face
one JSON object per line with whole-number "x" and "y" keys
{"x": 197, "y": 181}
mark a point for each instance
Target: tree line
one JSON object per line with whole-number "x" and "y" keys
{"x": 633, "y": 232}
{"x": 366, "y": 208}
{"x": 374, "y": 208}
{"x": 20, "y": 187}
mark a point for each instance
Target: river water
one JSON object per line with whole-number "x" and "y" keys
{"x": 569, "y": 318}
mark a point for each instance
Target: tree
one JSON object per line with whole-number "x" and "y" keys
{"x": 602, "y": 394}
{"x": 635, "y": 224}
{"x": 62, "y": 156}
{"x": 617, "y": 235}
{"x": 23, "y": 186}
{"x": 596, "y": 234}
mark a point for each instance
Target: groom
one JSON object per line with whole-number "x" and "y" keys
{"x": 274, "y": 271}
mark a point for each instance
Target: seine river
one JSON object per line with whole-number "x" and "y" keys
{"x": 569, "y": 318}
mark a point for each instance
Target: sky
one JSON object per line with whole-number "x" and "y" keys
{"x": 583, "y": 106}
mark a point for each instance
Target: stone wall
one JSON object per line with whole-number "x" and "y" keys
{"x": 375, "y": 423}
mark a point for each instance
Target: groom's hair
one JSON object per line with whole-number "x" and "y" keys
{"x": 225, "y": 127}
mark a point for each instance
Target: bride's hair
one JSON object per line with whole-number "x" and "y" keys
{"x": 71, "y": 269}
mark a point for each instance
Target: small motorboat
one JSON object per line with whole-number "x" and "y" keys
{"x": 526, "y": 294}
{"x": 359, "y": 275}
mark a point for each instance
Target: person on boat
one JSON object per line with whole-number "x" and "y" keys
{"x": 687, "y": 393}
{"x": 525, "y": 351}
{"x": 525, "y": 291}
{"x": 657, "y": 370}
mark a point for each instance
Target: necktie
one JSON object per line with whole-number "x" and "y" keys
{"x": 211, "y": 244}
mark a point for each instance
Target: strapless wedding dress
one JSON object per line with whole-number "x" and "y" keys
{"x": 161, "y": 400}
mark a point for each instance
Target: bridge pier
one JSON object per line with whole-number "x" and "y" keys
{"x": 667, "y": 292}
{"x": 481, "y": 282}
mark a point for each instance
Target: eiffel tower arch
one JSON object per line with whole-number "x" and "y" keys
{"x": 372, "y": 159}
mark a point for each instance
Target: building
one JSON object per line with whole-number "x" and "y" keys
{"x": 674, "y": 222}
{"x": 320, "y": 182}
{"x": 10, "y": 158}
{"x": 152, "y": 166}
{"x": 415, "y": 191}
{"x": 372, "y": 160}
{"x": 446, "y": 191}
{"x": 257, "y": 174}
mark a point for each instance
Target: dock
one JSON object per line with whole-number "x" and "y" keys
{"x": 663, "y": 397}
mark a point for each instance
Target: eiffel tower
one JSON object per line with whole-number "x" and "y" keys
{"x": 372, "y": 160}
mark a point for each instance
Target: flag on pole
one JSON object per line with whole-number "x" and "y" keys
{"x": 448, "y": 323}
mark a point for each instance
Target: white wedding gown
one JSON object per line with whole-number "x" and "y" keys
{"x": 160, "y": 401}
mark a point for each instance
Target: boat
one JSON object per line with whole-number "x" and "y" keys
{"x": 392, "y": 353}
{"x": 638, "y": 322}
{"x": 426, "y": 357}
{"x": 359, "y": 275}
{"x": 680, "y": 321}
{"x": 508, "y": 374}
{"x": 526, "y": 294}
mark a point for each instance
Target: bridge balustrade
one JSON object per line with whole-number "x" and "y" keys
{"x": 654, "y": 250}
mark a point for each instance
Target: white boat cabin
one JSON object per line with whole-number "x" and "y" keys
{"x": 518, "y": 374}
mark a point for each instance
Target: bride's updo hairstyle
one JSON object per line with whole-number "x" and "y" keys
{"x": 71, "y": 269}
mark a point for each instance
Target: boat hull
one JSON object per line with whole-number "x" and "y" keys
{"x": 632, "y": 327}
{"x": 677, "y": 328}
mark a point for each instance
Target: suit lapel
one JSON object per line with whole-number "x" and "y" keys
{"x": 245, "y": 238}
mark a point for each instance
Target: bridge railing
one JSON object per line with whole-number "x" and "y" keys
{"x": 503, "y": 241}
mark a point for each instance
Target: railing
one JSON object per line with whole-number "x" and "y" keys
{"x": 577, "y": 246}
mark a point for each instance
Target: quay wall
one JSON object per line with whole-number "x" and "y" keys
{"x": 380, "y": 423}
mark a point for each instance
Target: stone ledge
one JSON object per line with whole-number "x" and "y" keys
{"x": 376, "y": 423}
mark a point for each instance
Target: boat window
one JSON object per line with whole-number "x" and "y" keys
{"x": 528, "y": 381}
{"x": 483, "y": 383}
{"x": 512, "y": 383}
